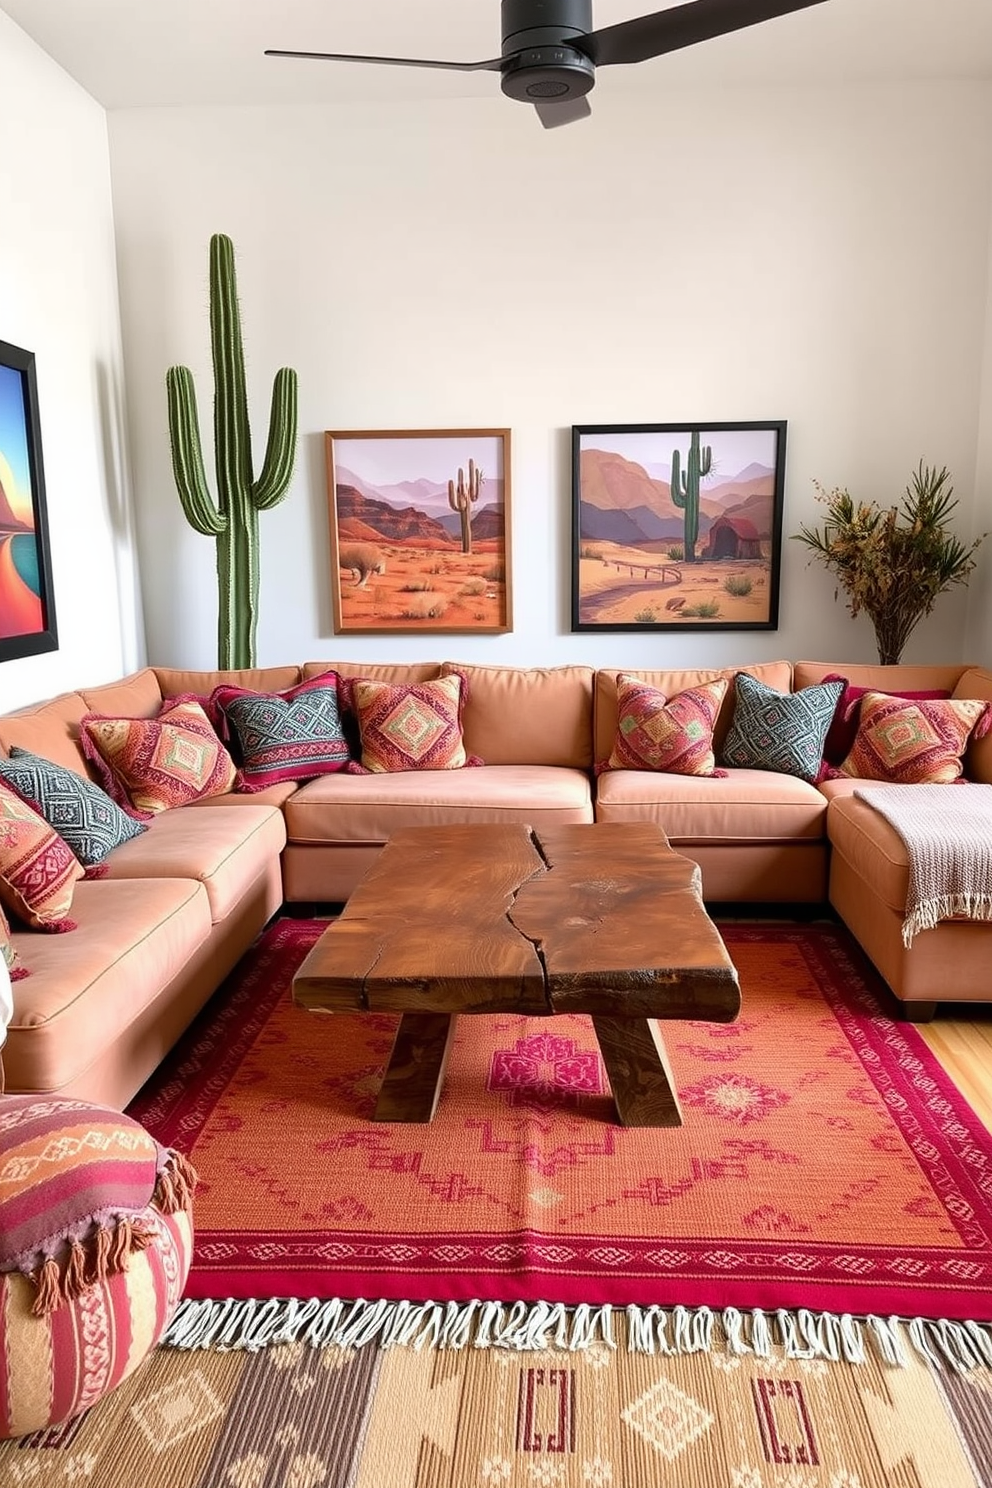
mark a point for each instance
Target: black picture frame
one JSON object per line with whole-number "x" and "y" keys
{"x": 630, "y": 540}
{"x": 27, "y": 599}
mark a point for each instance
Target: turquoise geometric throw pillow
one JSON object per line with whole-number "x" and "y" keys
{"x": 78, "y": 809}
{"x": 780, "y": 730}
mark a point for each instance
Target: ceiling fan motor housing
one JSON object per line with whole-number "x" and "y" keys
{"x": 541, "y": 66}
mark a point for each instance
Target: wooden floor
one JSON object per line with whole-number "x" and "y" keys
{"x": 961, "y": 1038}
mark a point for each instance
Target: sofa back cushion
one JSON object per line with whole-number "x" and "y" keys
{"x": 901, "y": 678}
{"x": 976, "y": 682}
{"x": 50, "y": 729}
{"x": 136, "y": 696}
{"x": 527, "y": 715}
{"x": 376, "y": 671}
{"x": 776, "y": 674}
{"x": 176, "y": 681}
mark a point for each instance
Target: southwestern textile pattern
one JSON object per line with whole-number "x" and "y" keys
{"x": 785, "y": 731}
{"x": 38, "y": 871}
{"x": 149, "y": 765}
{"x": 914, "y": 743}
{"x": 655, "y": 732}
{"x": 291, "y": 735}
{"x": 410, "y": 726}
{"x": 83, "y": 815}
{"x": 826, "y": 1162}
{"x": 298, "y": 1417}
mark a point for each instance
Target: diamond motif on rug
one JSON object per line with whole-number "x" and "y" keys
{"x": 667, "y": 1419}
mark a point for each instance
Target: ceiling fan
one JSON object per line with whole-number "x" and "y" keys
{"x": 550, "y": 52}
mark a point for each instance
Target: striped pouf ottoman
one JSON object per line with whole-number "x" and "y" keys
{"x": 96, "y": 1240}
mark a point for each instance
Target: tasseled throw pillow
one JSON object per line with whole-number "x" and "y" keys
{"x": 150, "y": 765}
{"x": 914, "y": 743}
{"x": 655, "y": 732}
{"x": 38, "y": 871}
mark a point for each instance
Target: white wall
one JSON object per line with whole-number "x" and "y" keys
{"x": 820, "y": 256}
{"x": 978, "y": 632}
{"x": 58, "y": 298}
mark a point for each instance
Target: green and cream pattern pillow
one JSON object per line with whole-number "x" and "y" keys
{"x": 780, "y": 730}
{"x": 83, "y": 815}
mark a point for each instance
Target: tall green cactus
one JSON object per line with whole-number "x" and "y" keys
{"x": 461, "y": 497}
{"x": 685, "y": 488}
{"x": 233, "y": 520}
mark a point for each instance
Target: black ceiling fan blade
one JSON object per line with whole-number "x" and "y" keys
{"x": 553, "y": 114}
{"x": 493, "y": 65}
{"x": 681, "y": 26}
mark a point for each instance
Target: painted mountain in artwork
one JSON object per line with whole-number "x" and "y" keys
{"x": 367, "y": 519}
{"x": 623, "y": 503}
{"x": 427, "y": 496}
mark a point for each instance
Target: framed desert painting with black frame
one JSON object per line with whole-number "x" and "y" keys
{"x": 420, "y": 530}
{"x": 27, "y": 603}
{"x": 677, "y": 526}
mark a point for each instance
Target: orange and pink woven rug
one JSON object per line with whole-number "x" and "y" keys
{"x": 825, "y": 1163}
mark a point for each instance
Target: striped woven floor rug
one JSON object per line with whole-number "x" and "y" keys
{"x": 299, "y": 1417}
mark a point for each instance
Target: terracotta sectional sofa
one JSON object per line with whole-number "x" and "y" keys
{"x": 180, "y": 904}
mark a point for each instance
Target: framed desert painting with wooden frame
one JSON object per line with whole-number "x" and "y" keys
{"x": 677, "y": 526}
{"x": 27, "y": 603}
{"x": 420, "y": 530}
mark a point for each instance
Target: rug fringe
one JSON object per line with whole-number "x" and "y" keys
{"x": 529, "y": 1326}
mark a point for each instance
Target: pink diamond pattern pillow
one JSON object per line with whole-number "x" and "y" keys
{"x": 658, "y": 733}
{"x": 148, "y": 765}
{"x": 914, "y": 743}
{"x": 410, "y": 726}
{"x": 38, "y": 871}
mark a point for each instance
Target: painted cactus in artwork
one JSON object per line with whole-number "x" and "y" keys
{"x": 461, "y": 497}
{"x": 233, "y": 519}
{"x": 685, "y": 488}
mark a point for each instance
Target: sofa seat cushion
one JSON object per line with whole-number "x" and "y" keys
{"x": 272, "y": 795}
{"x": 747, "y": 806}
{"x": 224, "y": 849}
{"x": 132, "y": 937}
{"x": 369, "y": 808}
{"x": 871, "y": 846}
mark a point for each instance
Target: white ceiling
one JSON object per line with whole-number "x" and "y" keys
{"x": 134, "y": 53}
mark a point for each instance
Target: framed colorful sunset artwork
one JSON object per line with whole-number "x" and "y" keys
{"x": 27, "y": 603}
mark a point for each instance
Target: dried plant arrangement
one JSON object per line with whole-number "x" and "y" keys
{"x": 893, "y": 562}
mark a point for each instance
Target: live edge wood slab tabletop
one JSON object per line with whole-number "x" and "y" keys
{"x": 603, "y": 919}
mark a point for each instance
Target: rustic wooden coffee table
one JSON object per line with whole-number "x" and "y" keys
{"x": 606, "y": 920}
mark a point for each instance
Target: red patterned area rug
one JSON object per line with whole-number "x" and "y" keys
{"x": 826, "y": 1165}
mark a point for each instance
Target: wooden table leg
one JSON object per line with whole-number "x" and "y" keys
{"x": 640, "y": 1075}
{"x": 412, "y": 1082}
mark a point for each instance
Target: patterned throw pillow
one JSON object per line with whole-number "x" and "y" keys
{"x": 658, "y": 733}
{"x": 410, "y": 726}
{"x": 83, "y": 815}
{"x": 292, "y": 735}
{"x": 8, "y": 956}
{"x": 914, "y": 743}
{"x": 844, "y": 724}
{"x": 76, "y": 1184}
{"x": 150, "y": 765}
{"x": 38, "y": 871}
{"x": 780, "y": 730}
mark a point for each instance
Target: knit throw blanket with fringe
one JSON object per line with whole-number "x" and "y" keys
{"x": 948, "y": 835}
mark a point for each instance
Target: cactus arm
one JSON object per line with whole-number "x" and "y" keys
{"x": 678, "y": 481}
{"x": 706, "y": 462}
{"x": 280, "y": 452}
{"x": 187, "y": 454}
